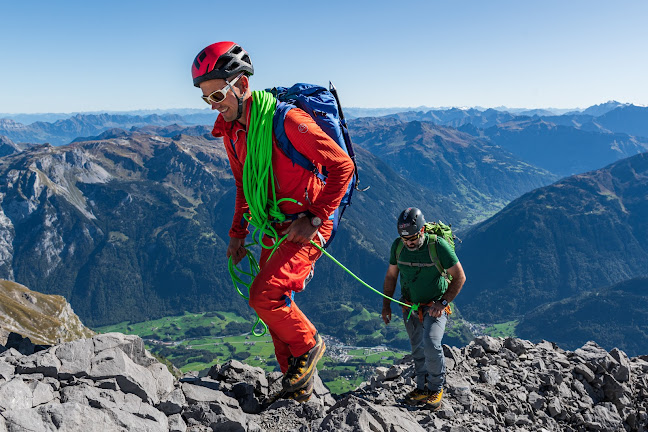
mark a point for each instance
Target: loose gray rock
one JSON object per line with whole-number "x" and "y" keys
{"x": 131, "y": 345}
{"x": 177, "y": 424}
{"x": 164, "y": 381}
{"x": 131, "y": 377}
{"x": 11, "y": 356}
{"x": 234, "y": 372}
{"x": 221, "y": 415}
{"x": 42, "y": 393}
{"x": 68, "y": 417}
{"x": 585, "y": 371}
{"x": 603, "y": 417}
{"x": 15, "y": 395}
{"x": 75, "y": 358}
{"x": 173, "y": 402}
{"x": 354, "y": 414}
{"x": 196, "y": 393}
{"x": 7, "y": 370}
{"x": 110, "y": 383}
{"x": 622, "y": 372}
{"x": 44, "y": 362}
{"x": 490, "y": 344}
{"x": 518, "y": 346}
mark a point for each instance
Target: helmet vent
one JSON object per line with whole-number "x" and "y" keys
{"x": 221, "y": 63}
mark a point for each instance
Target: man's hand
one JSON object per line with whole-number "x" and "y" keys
{"x": 300, "y": 231}
{"x": 236, "y": 250}
{"x": 386, "y": 314}
{"x": 436, "y": 310}
{"x": 388, "y": 289}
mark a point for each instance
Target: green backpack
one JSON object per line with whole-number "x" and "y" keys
{"x": 435, "y": 229}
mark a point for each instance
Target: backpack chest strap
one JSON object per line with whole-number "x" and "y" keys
{"x": 410, "y": 264}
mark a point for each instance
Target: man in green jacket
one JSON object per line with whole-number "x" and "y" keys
{"x": 422, "y": 283}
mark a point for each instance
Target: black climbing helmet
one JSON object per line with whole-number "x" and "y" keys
{"x": 410, "y": 222}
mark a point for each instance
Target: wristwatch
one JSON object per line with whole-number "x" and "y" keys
{"x": 444, "y": 302}
{"x": 316, "y": 221}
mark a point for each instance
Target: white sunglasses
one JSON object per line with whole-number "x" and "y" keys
{"x": 219, "y": 95}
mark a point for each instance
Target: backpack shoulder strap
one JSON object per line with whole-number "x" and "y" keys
{"x": 434, "y": 256}
{"x": 284, "y": 143}
{"x": 399, "y": 248}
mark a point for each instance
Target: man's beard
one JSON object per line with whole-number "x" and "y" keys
{"x": 418, "y": 244}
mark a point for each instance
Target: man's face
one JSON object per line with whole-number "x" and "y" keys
{"x": 229, "y": 106}
{"x": 414, "y": 242}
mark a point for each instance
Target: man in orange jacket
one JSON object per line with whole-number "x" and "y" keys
{"x": 222, "y": 72}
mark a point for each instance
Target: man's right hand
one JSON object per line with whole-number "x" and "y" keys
{"x": 236, "y": 250}
{"x": 386, "y": 314}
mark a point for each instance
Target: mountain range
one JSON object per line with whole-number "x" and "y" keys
{"x": 129, "y": 228}
{"x": 8, "y": 147}
{"x": 478, "y": 177}
{"x": 131, "y": 223}
{"x": 65, "y": 130}
{"x": 560, "y": 149}
{"x": 580, "y": 234}
{"x": 614, "y": 316}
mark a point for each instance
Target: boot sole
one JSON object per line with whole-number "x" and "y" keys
{"x": 307, "y": 392}
{"x": 308, "y": 374}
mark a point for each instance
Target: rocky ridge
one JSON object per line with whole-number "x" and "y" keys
{"x": 110, "y": 383}
{"x": 44, "y": 319}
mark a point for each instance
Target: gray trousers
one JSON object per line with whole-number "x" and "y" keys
{"x": 425, "y": 338}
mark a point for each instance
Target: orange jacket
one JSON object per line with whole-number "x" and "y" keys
{"x": 291, "y": 180}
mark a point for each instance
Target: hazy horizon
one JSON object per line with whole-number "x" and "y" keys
{"x": 420, "y": 107}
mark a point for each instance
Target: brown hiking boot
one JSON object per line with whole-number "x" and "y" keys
{"x": 434, "y": 400}
{"x": 303, "y": 394}
{"x": 301, "y": 368}
{"x": 417, "y": 396}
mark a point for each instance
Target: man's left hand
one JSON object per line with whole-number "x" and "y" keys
{"x": 300, "y": 231}
{"x": 436, "y": 309}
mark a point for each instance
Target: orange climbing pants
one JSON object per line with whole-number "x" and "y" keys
{"x": 271, "y": 294}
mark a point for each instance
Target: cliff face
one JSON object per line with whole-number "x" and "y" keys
{"x": 44, "y": 319}
{"x": 109, "y": 382}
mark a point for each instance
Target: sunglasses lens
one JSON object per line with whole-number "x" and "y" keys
{"x": 217, "y": 96}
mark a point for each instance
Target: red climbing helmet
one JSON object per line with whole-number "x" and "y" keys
{"x": 220, "y": 60}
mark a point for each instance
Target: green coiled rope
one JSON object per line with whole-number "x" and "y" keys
{"x": 258, "y": 178}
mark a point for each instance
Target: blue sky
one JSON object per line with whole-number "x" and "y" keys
{"x": 70, "y": 56}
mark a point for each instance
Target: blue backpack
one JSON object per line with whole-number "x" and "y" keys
{"x": 324, "y": 107}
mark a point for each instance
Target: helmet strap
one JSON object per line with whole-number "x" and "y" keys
{"x": 239, "y": 112}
